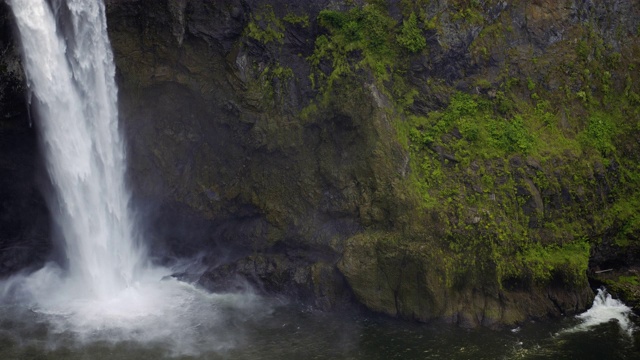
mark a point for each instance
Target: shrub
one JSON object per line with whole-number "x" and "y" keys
{"x": 599, "y": 133}
{"x": 410, "y": 36}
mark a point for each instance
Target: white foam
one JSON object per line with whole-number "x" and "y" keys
{"x": 156, "y": 311}
{"x": 605, "y": 309}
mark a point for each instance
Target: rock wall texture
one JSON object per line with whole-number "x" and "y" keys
{"x": 469, "y": 161}
{"x": 24, "y": 221}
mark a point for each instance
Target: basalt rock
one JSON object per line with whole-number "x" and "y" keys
{"x": 309, "y": 190}
{"x": 24, "y": 220}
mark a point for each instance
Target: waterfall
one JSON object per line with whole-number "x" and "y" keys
{"x": 70, "y": 70}
{"x": 106, "y": 290}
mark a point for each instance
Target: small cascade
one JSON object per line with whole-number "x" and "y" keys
{"x": 605, "y": 309}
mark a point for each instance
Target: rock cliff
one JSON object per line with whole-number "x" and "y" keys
{"x": 24, "y": 223}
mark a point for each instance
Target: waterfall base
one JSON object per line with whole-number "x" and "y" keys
{"x": 156, "y": 309}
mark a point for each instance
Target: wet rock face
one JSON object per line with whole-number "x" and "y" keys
{"x": 207, "y": 134}
{"x": 290, "y": 273}
{"x": 233, "y": 152}
{"x": 24, "y": 220}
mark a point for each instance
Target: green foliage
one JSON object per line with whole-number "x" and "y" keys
{"x": 309, "y": 111}
{"x": 492, "y": 34}
{"x": 487, "y": 219}
{"x": 302, "y": 20}
{"x": 270, "y": 84}
{"x": 626, "y": 215}
{"x": 411, "y": 36}
{"x": 283, "y": 73}
{"x": 366, "y": 29}
{"x": 583, "y": 50}
{"x": 568, "y": 261}
{"x": 265, "y": 26}
{"x": 630, "y": 279}
{"x": 513, "y": 136}
{"x": 361, "y": 38}
{"x": 485, "y": 133}
{"x": 530, "y": 84}
{"x": 508, "y": 173}
{"x": 600, "y": 133}
{"x": 402, "y": 92}
{"x": 469, "y": 11}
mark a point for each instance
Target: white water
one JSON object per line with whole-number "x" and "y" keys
{"x": 107, "y": 290}
{"x": 605, "y": 309}
{"x": 74, "y": 84}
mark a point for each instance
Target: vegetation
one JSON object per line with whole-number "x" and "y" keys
{"x": 366, "y": 31}
{"x": 265, "y": 26}
{"x": 411, "y": 36}
{"x": 523, "y": 169}
{"x": 468, "y": 158}
{"x": 570, "y": 260}
{"x": 363, "y": 38}
{"x": 302, "y": 20}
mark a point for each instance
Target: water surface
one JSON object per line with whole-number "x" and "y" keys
{"x": 267, "y": 329}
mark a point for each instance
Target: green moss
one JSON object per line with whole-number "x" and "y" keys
{"x": 600, "y": 132}
{"x": 403, "y": 93}
{"x": 482, "y": 207}
{"x": 568, "y": 261}
{"x": 484, "y": 132}
{"x": 491, "y": 37}
{"x": 265, "y": 26}
{"x": 630, "y": 279}
{"x": 624, "y": 214}
{"x": 302, "y": 20}
{"x": 269, "y": 85}
{"x": 467, "y": 11}
{"x": 365, "y": 30}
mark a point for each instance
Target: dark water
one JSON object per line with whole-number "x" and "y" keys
{"x": 292, "y": 332}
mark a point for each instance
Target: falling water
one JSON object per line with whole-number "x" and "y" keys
{"x": 72, "y": 77}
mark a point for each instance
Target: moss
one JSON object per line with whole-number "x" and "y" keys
{"x": 269, "y": 85}
{"x": 484, "y": 206}
{"x": 624, "y": 285}
{"x": 467, "y": 11}
{"x": 365, "y": 30}
{"x": 568, "y": 261}
{"x": 600, "y": 133}
{"x": 302, "y": 20}
{"x": 482, "y": 131}
{"x": 265, "y": 26}
{"x": 629, "y": 279}
{"x": 396, "y": 275}
{"x": 491, "y": 37}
